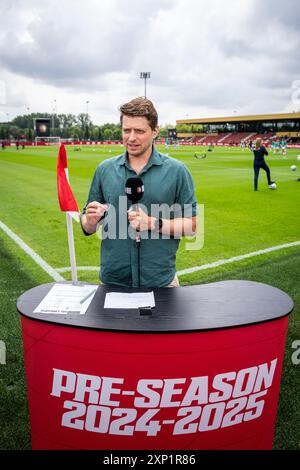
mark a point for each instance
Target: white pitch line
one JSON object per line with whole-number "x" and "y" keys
{"x": 30, "y": 252}
{"x": 79, "y": 268}
{"x": 215, "y": 264}
{"x": 236, "y": 258}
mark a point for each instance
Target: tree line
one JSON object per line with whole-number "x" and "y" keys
{"x": 70, "y": 126}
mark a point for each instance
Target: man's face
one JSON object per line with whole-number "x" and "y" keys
{"x": 137, "y": 135}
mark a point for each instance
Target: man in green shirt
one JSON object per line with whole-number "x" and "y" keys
{"x": 166, "y": 212}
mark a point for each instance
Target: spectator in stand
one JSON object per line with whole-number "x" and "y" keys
{"x": 259, "y": 162}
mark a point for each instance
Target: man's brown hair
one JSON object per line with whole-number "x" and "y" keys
{"x": 140, "y": 107}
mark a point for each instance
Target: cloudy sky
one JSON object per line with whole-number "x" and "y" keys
{"x": 206, "y": 57}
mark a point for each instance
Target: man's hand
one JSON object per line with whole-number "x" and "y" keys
{"x": 93, "y": 213}
{"x": 178, "y": 227}
{"x": 139, "y": 220}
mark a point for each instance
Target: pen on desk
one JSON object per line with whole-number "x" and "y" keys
{"x": 87, "y": 296}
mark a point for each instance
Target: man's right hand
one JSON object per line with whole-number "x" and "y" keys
{"x": 93, "y": 213}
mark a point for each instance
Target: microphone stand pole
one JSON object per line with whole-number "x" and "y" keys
{"x": 138, "y": 246}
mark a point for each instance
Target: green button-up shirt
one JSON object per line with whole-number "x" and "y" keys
{"x": 167, "y": 182}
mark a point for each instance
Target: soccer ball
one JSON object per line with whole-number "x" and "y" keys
{"x": 273, "y": 186}
{"x": 298, "y": 157}
{"x": 293, "y": 168}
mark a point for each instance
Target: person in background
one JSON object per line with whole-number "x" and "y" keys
{"x": 283, "y": 148}
{"x": 259, "y": 162}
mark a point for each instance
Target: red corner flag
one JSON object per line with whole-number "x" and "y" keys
{"x": 66, "y": 198}
{"x": 67, "y": 204}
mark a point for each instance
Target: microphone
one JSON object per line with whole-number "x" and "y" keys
{"x": 134, "y": 188}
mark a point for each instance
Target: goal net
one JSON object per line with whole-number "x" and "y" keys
{"x": 47, "y": 140}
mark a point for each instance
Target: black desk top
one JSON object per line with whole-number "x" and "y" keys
{"x": 203, "y": 307}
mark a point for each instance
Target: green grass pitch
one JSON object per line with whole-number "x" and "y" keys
{"x": 237, "y": 221}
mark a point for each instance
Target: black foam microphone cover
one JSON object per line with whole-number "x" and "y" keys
{"x": 134, "y": 188}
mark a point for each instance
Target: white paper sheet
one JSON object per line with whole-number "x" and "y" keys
{"x": 67, "y": 298}
{"x": 125, "y": 300}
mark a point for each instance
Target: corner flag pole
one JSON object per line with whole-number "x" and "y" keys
{"x": 69, "y": 217}
{"x": 67, "y": 204}
{"x": 71, "y": 247}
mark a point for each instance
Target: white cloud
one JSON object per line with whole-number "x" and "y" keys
{"x": 206, "y": 57}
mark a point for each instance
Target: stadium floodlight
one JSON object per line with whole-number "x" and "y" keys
{"x": 54, "y": 112}
{"x": 145, "y": 76}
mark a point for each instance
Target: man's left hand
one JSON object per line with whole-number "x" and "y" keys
{"x": 139, "y": 220}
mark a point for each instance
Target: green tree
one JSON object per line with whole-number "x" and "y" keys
{"x": 83, "y": 120}
{"x": 117, "y": 133}
{"x": 75, "y": 132}
{"x": 86, "y": 133}
{"x": 183, "y": 128}
{"x": 107, "y": 133}
{"x": 2, "y": 132}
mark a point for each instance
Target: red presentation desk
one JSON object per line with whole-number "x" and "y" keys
{"x": 202, "y": 371}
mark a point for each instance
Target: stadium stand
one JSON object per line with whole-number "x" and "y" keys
{"x": 232, "y": 130}
{"x": 235, "y": 138}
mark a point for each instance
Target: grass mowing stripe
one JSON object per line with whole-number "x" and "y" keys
{"x": 30, "y": 252}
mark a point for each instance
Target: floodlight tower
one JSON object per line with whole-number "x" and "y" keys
{"x": 54, "y": 112}
{"x": 145, "y": 75}
{"x": 87, "y": 119}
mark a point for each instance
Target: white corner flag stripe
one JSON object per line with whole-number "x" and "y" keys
{"x": 30, "y": 252}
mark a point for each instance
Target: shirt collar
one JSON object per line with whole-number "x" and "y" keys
{"x": 155, "y": 159}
